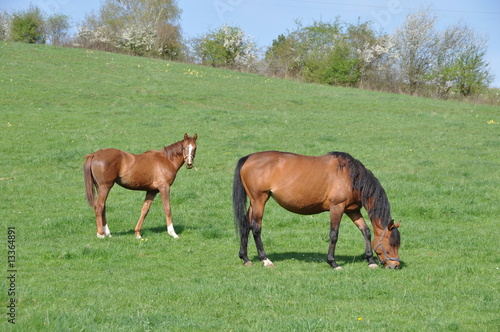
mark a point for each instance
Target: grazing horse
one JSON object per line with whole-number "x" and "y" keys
{"x": 152, "y": 171}
{"x": 335, "y": 182}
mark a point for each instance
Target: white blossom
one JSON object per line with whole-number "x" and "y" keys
{"x": 5, "y": 25}
{"x": 138, "y": 38}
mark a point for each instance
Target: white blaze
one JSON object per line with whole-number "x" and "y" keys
{"x": 190, "y": 154}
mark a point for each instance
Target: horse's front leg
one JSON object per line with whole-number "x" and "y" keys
{"x": 335, "y": 218}
{"x": 359, "y": 221}
{"x": 165, "y": 198}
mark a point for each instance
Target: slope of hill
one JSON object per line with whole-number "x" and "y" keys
{"x": 437, "y": 160}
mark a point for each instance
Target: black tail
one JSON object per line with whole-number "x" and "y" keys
{"x": 240, "y": 200}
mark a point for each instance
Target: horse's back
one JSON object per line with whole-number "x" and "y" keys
{"x": 115, "y": 156}
{"x": 106, "y": 154}
{"x": 285, "y": 165}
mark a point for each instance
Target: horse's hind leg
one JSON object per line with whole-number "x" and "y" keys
{"x": 358, "y": 220}
{"x": 150, "y": 196}
{"x": 105, "y": 227}
{"x": 244, "y": 232}
{"x": 100, "y": 211}
{"x": 256, "y": 212}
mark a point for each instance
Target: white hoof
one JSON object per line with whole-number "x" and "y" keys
{"x": 107, "y": 232}
{"x": 268, "y": 263}
{"x": 373, "y": 266}
{"x": 101, "y": 236}
{"x": 338, "y": 268}
{"x": 171, "y": 232}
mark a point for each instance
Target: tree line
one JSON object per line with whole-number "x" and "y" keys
{"x": 417, "y": 58}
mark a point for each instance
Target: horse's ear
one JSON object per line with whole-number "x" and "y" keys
{"x": 195, "y": 137}
{"x": 392, "y": 225}
{"x": 395, "y": 225}
{"x": 186, "y": 136}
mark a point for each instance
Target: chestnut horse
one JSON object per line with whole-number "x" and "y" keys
{"x": 152, "y": 171}
{"x": 335, "y": 182}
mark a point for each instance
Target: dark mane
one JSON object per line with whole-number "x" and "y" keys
{"x": 369, "y": 187}
{"x": 173, "y": 150}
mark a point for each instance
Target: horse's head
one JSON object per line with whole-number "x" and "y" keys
{"x": 189, "y": 149}
{"x": 386, "y": 244}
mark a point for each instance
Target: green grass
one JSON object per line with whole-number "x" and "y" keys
{"x": 437, "y": 160}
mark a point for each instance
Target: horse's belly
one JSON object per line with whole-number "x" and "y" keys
{"x": 301, "y": 205}
{"x": 136, "y": 184}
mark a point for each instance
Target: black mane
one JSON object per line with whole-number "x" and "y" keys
{"x": 369, "y": 187}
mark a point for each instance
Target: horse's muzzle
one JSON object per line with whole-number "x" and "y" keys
{"x": 392, "y": 265}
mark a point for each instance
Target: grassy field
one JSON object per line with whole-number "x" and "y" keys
{"x": 437, "y": 160}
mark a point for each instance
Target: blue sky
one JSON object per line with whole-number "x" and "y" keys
{"x": 266, "y": 19}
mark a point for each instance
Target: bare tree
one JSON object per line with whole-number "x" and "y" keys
{"x": 56, "y": 29}
{"x": 416, "y": 41}
{"x": 444, "y": 62}
{"x": 459, "y": 62}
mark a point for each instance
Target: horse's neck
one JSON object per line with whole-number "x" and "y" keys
{"x": 376, "y": 214}
{"x": 377, "y": 226}
{"x": 178, "y": 161}
{"x": 174, "y": 154}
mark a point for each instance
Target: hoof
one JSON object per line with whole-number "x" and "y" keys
{"x": 174, "y": 235}
{"x": 268, "y": 263}
{"x": 338, "y": 268}
{"x": 249, "y": 263}
{"x": 373, "y": 266}
{"x": 138, "y": 237}
{"x": 171, "y": 232}
{"x": 101, "y": 236}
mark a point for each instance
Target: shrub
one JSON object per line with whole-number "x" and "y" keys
{"x": 227, "y": 47}
{"x": 139, "y": 39}
{"x": 28, "y": 26}
{"x": 281, "y": 58}
{"x": 98, "y": 38}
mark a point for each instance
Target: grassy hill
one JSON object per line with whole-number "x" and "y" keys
{"x": 437, "y": 160}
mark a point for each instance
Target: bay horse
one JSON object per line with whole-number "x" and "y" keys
{"x": 335, "y": 182}
{"x": 152, "y": 171}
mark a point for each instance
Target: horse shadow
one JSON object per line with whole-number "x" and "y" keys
{"x": 316, "y": 257}
{"x": 148, "y": 230}
{"x": 313, "y": 257}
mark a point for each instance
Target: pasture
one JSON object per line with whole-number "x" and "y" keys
{"x": 437, "y": 160}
